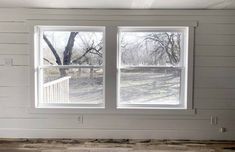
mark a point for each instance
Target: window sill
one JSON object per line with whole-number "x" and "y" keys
{"x": 102, "y": 110}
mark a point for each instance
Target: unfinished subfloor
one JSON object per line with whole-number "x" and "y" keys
{"x": 109, "y": 145}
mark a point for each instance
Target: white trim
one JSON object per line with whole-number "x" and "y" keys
{"x": 70, "y": 66}
{"x": 113, "y": 23}
{"x": 38, "y": 66}
{"x": 72, "y": 28}
{"x": 183, "y": 63}
{"x": 110, "y": 68}
{"x": 55, "y": 81}
{"x": 123, "y": 12}
{"x": 112, "y": 111}
{"x": 152, "y": 28}
{"x": 190, "y": 68}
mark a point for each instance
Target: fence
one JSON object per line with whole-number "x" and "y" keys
{"x": 56, "y": 91}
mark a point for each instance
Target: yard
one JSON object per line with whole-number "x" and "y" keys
{"x": 139, "y": 86}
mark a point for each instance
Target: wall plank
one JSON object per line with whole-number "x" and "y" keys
{"x": 14, "y": 38}
{"x": 214, "y": 93}
{"x": 17, "y": 60}
{"x": 16, "y": 27}
{"x": 215, "y": 82}
{"x": 214, "y": 39}
{"x": 210, "y": 50}
{"x": 202, "y": 103}
{"x": 14, "y": 76}
{"x": 225, "y": 29}
{"x": 14, "y": 49}
{"x": 205, "y": 61}
{"x": 215, "y": 72}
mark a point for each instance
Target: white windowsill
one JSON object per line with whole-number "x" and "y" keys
{"x": 102, "y": 110}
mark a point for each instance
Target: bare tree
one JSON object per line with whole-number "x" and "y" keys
{"x": 68, "y": 52}
{"x": 168, "y": 43}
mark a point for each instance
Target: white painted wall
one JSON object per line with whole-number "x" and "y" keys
{"x": 214, "y": 84}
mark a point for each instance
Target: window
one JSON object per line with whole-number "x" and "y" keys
{"x": 152, "y": 67}
{"x": 70, "y": 66}
{"x": 113, "y": 67}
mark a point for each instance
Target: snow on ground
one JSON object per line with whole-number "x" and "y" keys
{"x": 136, "y": 87}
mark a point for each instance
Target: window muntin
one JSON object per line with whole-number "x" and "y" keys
{"x": 151, "y": 67}
{"x": 70, "y": 68}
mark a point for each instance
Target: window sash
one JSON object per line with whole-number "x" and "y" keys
{"x": 181, "y": 66}
{"x": 41, "y": 104}
{"x": 180, "y": 105}
{"x": 182, "y": 29}
{"x": 41, "y": 66}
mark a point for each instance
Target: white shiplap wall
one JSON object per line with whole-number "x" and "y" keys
{"x": 214, "y": 84}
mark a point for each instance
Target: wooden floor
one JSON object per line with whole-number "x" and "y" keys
{"x": 72, "y": 145}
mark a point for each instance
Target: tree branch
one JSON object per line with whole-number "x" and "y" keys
{"x": 58, "y": 61}
{"x": 48, "y": 61}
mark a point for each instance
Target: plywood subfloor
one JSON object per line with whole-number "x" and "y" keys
{"x": 109, "y": 145}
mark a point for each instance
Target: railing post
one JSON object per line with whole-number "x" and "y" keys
{"x": 56, "y": 91}
{"x": 91, "y": 72}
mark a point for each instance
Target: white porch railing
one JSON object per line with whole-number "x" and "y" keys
{"x": 56, "y": 91}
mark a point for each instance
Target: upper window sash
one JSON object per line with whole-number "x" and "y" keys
{"x": 182, "y": 29}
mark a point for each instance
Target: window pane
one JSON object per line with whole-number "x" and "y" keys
{"x": 72, "y": 48}
{"x": 74, "y": 85}
{"x": 150, "y": 86}
{"x": 150, "y": 48}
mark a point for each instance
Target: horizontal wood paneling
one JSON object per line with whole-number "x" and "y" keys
{"x": 14, "y": 76}
{"x": 214, "y": 82}
{"x": 210, "y": 50}
{"x": 223, "y": 115}
{"x": 202, "y": 19}
{"x": 215, "y": 61}
{"x": 214, "y": 85}
{"x": 119, "y": 134}
{"x": 224, "y": 29}
{"x": 214, "y": 93}
{"x": 113, "y": 12}
{"x": 215, "y": 72}
{"x": 9, "y": 27}
{"x": 15, "y": 101}
{"x": 17, "y": 60}
{"x": 14, "y": 38}
{"x": 214, "y": 39}
{"x": 104, "y": 124}
{"x": 8, "y": 91}
{"x": 14, "y": 49}
{"x": 214, "y": 103}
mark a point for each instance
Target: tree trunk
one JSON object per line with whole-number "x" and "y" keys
{"x": 69, "y": 48}
{"x": 67, "y": 52}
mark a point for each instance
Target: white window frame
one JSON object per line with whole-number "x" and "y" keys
{"x": 183, "y": 66}
{"x": 38, "y": 30}
{"x": 110, "y": 68}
